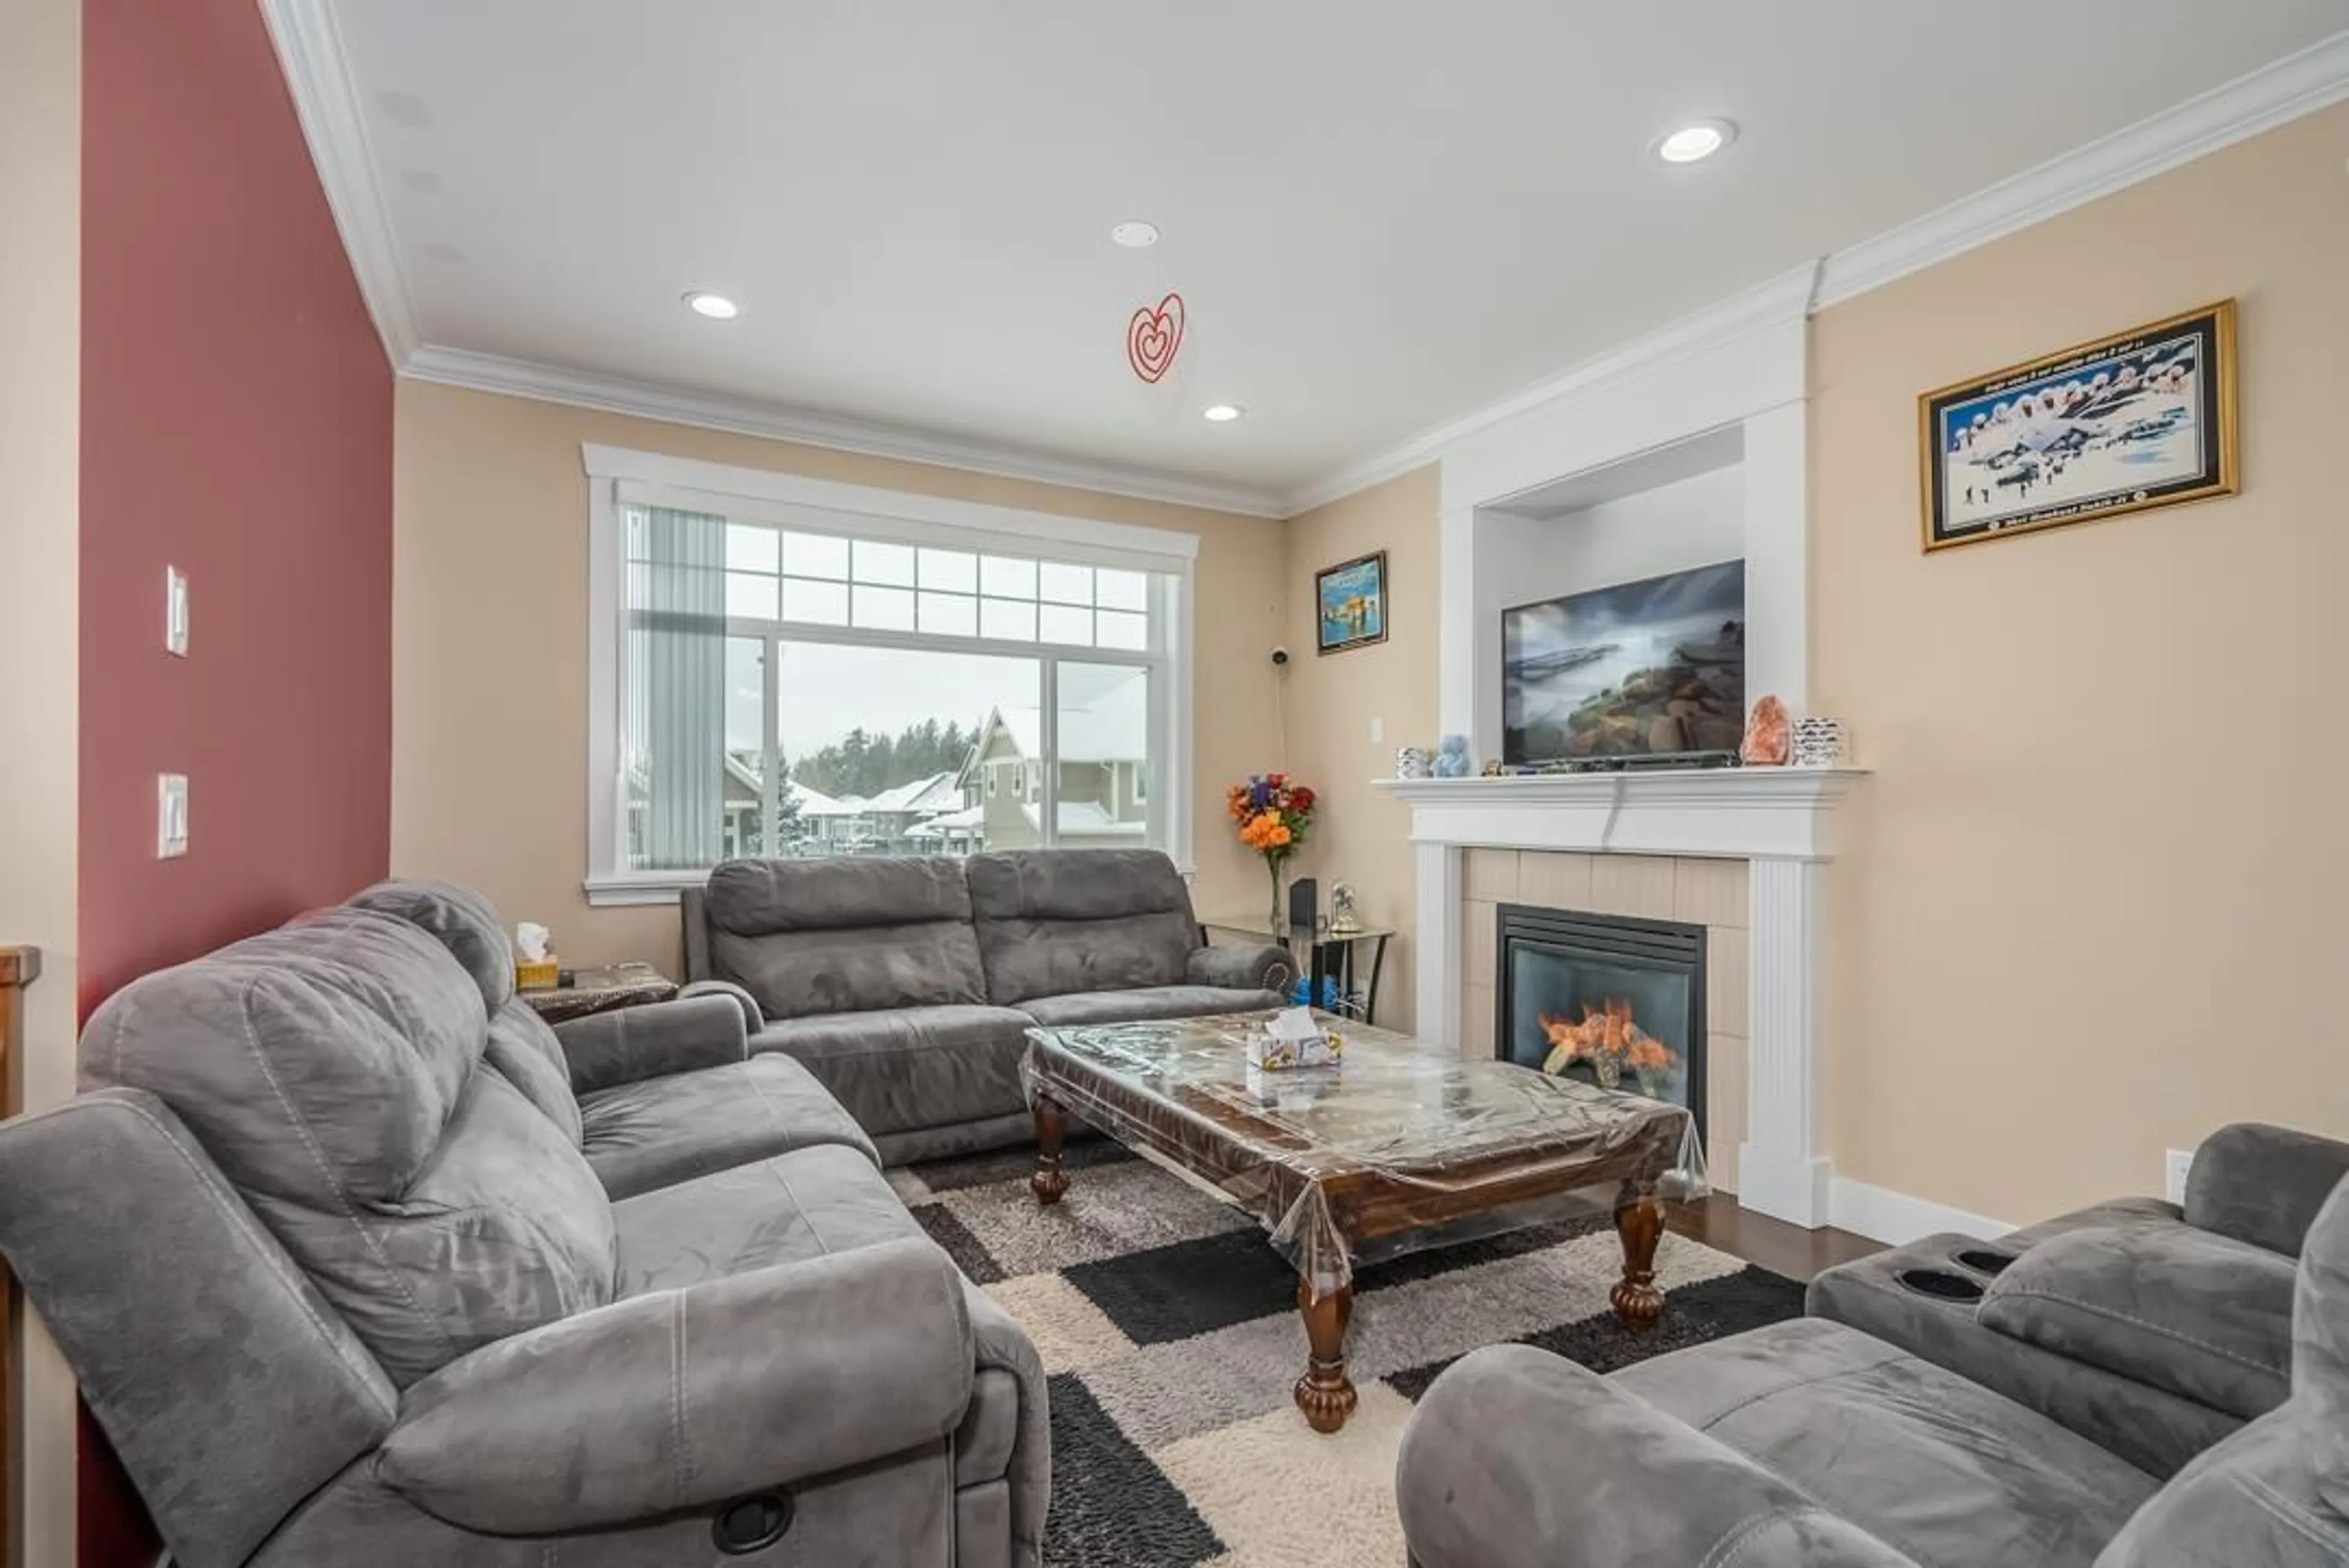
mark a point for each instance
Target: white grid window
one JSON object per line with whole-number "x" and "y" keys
{"x": 789, "y": 674}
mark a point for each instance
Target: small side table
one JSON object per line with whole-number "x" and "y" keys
{"x": 1326, "y": 955}
{"x": 601, "y": 991}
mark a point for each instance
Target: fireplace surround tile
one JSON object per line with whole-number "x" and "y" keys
{"x": 1490, "y": 876}
{"x": 1725, "y": 1103}
{"x": 1640, "y": 886}
{"x": 1480, "y": 928}
{"x": 1479, "y": 1006}
{"x": 1555, "y": 879}
{"x": 1710, "y": 892}
{"x": 1728, "y": 978}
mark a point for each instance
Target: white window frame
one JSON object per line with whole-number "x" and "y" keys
{"x": 617, "y": 476}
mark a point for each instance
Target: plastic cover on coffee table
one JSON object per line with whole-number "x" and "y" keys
{"x": 1403, "y": 1146}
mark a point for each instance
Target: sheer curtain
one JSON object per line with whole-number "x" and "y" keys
{"x": 677, "y": 676}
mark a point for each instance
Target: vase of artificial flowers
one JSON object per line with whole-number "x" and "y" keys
{"x": 1274, "y": 815}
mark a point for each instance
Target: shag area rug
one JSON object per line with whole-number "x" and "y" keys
{"x": 1169, "y": 1330}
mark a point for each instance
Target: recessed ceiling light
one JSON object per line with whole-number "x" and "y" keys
{"x": 1691, "y": 142}
{"x": 1134, "y": 234}
{"x": 1225, "y": 413}
{"x": 716, "y": 307}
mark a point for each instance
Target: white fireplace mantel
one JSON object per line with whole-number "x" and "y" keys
{"x": 1779, "y": 820}
{"x": 1741, "y": 812}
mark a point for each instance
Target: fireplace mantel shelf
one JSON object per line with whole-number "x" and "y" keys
{"x": 1743, "y": 812}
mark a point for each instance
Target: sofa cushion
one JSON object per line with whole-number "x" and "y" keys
{"x": 330, "y": 1069}
{"x": 809, "y": 937}
{"x": 2264, "y": 1184}
{"x": 461, "y": 920}
{"x": 2206, "y": 1318}
{"x": 507, "y": 1229}
{"x": 525, "y": 1051}
{"x": 1054, "y": 922}
{"x": 1145, "y": 1002}
{"x": 804, "y": 1204}
{"x": 2319, "y": 1348}
{"x": 1935, "y": 1467}
{"x": 911, "y": 1067}
{"x": 659, "y": 1131}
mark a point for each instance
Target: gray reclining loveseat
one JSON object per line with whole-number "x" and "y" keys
{"x": 2154, "y": 1329}
{"x": 1811, "y": 1445}
{"x": 908, "y": 985}
{"x": 360, "y": 1264}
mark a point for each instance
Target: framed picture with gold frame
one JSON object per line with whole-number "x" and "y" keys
{"x": 2140, "y": 419}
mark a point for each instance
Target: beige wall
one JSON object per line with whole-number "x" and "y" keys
{"x": 1329, "y": 700}
{"x": 2094, "y": 907}
{"x": 490, "y": 645}
{"x": 40, "y": 382}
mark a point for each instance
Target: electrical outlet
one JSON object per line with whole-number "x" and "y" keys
{"x": 2181, "y": 1160}
{"x": 171, "y": 816}
{"x": 1378, "y": 729}
{"x": 175, "y": 612}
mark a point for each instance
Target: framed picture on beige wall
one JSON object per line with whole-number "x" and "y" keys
{"x": 1350, "y": 602}
{"x": 2139, "y": 419}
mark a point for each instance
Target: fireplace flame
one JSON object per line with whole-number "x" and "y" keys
{"x": 1607, "y": 1030}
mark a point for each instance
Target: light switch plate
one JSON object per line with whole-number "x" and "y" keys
{"x": 1378, "y": 729}
{"x": 171, "y": 815}
{"x": 2181, "y": 1160}
{"x": 175, "y": 612}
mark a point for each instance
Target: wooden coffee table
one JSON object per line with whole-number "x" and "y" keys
{"x": 1406, "y": 1146}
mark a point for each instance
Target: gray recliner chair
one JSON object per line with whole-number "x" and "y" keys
{"x": 342, "y": 1286}
{"x": 1811, "y": 1445}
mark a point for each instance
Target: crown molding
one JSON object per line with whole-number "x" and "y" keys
{"x": 775, "y": 421}
{"x": 2298, "y": 84}
{"x": 1782, "y": 299}
{"x": 310, "y": 52}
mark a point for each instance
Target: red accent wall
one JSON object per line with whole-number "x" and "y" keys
{"x": 236, "y": 420}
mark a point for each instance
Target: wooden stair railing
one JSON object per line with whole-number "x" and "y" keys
{"x": 19, "y": 966}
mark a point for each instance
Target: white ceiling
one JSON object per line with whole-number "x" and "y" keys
{"x": 1382, "y": 214}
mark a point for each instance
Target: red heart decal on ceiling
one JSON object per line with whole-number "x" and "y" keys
{"x": 1152, "y": 337}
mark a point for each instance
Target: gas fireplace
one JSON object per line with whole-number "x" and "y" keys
{"x": 1604, "y": 998}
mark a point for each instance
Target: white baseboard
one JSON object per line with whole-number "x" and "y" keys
{"x": 1895, "y": 1219}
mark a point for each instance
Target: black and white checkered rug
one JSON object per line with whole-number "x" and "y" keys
{"x": 1169, "y": 1330}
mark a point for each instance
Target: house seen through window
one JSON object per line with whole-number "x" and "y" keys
{"x": 797, "y": 693}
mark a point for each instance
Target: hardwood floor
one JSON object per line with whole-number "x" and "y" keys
{"x": 1774, "y": 1244}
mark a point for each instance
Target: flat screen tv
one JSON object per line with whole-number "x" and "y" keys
{"x": 1649, "y": 669}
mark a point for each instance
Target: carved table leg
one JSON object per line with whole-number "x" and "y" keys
{"x": 1324, "y": 1393}
{"x": 1050, "y": 1182}
{"x": 1639, "y": 1221}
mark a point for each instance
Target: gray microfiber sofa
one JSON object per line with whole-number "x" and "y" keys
{"x": 908, "y": 985}
{"x": 1811, "y": 1445}
{"x": 2151, "y": 1328}
{"x": 359, "y": 1263}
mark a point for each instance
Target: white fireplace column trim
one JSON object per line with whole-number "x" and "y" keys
{"x": 1779, "y": 820}
{"x": 1779, "y": 1168}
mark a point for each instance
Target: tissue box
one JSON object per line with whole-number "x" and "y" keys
{"x": 544, "y": 974}
{"x": 1270, "y": 1053}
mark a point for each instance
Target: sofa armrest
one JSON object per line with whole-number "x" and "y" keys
{"x": 1503, "y": 1458}
{"x": 1258, "y": 966}
{"x": 753, "y": 1017}
{"x": 629, "y": 1044}
{"x": 690, "y": 1397}
{"x": 2264, "y": 1184}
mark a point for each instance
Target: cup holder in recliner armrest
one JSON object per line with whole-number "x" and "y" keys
{"x": 1939, "y": 1284}
{"x": 1983, "y": 1260}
